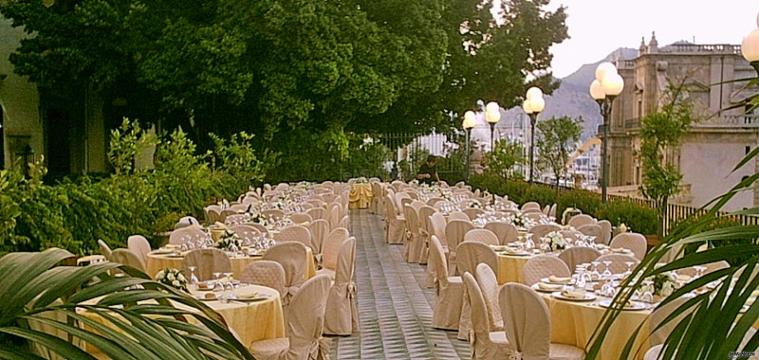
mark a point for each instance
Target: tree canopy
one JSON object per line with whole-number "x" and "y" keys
{"x": 557, "y": 140}
{"x": 278, "y": 68}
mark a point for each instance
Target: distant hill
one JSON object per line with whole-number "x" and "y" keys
{"x": 572, "y": 97}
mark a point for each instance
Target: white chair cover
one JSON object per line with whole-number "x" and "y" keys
{"x": 292, "y": 256}
{"x": 207, "y": 262}
{"x": 213, "y": 214}
{"x": 298, "y": 233}
{"x": 450, "y": 291}
{"x": 395, "y": 225}
{"x": 605, "y": 232}
{"x": 543, "y": 266}
{"x": 414, "y": 240}
{"x": 454, "y": 234}
{"x": 581, "y": 219}
{"x": 578, "y": 255}
{"x": 540, "y": 230}
{"x": 140, "y": 246}
{"x": 247, "y": 232}
{"x": 180, "y": 236}
{"x": 235, "y": 219}
{"x": 265, "y": 273}
{"x": 488, "y": 283}
{"x": 275, "y": 214}
{"x": 473, "y": 213}
{"x": 484, "y": 236}
{"x": 425, "y": 212}
{"x": 331, "y": 250}
{"x": 304, "y": 329}
{"x": 528, "y": 325}
{"x": 505, "y": 232}
{"x": 485, "y": 344}
{"x": 334, "y": 215}
{"x": 618, "y": 261}
{"x": 458, "y": 215}
{"x": 632, "y": 241}
{"x": 342, "y": 313}
{"x": 186, "y": 221}
{"x": 530, "y": 205}
{"x": 593, "y": 230}
{"x": 317, "y": 213}
{"x": 319, "y": 229}
{"x": 126, "y": 257}
{"x": 300, "y": 218}
{"x": 469, "y": 254}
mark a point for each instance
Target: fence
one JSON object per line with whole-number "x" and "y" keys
{"x": 411, "y": 150}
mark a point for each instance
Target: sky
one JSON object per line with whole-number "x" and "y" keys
{"x": 598, "y": 27}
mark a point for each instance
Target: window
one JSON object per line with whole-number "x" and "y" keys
{"x": 748, "y": 149}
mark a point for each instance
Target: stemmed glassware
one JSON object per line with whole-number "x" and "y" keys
{"x": 607, "y": 271}
{"x": 193, "y": 278}
{"x": 629, "y": 266}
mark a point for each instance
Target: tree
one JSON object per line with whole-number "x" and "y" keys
{"x": 557, "y": 140}
{"x": 506, "y": 155}
{"x": 661, "y": 132}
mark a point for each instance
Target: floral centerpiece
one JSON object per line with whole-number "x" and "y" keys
{"x": 555, "y": 241}
{"x": 172, "y": 277}
{"x": 474, "y": 204}
{"x": 568, "y": 213}
{"x": 229, "y": 241}
{"x": 518, "y": 220}
{"x": 661, "y": 285}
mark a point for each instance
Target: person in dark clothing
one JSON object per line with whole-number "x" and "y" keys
{"x": 428, "y": 171}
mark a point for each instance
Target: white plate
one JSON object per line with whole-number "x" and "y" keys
{"x": 514, "y": 253}
{"x": 588, "y": 297}
{"x": 162, "y": 251}
{"x": 548, "y": 281}
{"x": 537, "y": 288}
{"x": 634, "y": 305}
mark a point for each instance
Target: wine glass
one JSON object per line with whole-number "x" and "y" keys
{"x": 607, "y": 271}
{"x": 217, "y": 283}
{"x": 629, "y": 266}
{"x": 595, "y": 274}
{"x": 193, "y": 278}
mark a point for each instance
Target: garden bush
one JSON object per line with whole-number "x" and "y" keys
{"x": 74, "y": 214}
{"x": 639, "y": 218}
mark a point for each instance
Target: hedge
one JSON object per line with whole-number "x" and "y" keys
{"x": 636, "y": 217}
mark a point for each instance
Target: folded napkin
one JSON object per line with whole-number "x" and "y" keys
{"x": 574, "y": 293}
{"x": 619, "y": 250}
{"x": 549, "y": 287}
{"x": 558, "y": 279}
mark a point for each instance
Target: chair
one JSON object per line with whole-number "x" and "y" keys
{"x": 454, "y": 234}
{"x": 225, "y": 213}
{"x": 126, "y": 257}
{"x": 535, "y": 216}
{"x": 395, "y": 226}
{"x": 265, "y": 273}
{"x": 300, "y": 218}
{"x": 182, "y": 235}
{"x": 581, "y": 219}
{"x": 292, "y": 256}
{"x": 593, "y": 230}
{"x": 236, "y": 219}
{"x": 186, "y": 221}
{"x": 505, "y": 232}
{"x": 140, "y": 246}
{"x": 105, "y": 249}
{"x": 632, "y": 241}
{"x": 331, "y": 250}
{"x": 552, "y": 211}
{"x": 469, "y": 254}
{"x": 318, "y": 229}
{"x": 458, "y": 215}
{"x": 334, "y": 215}
{"x": 207, "y": 262}
{"x": 530, "y": 205}
{"x": 304, "y": 331}
{"x": 247, "y": 232}
{"x": 539, "y": 231}
{"x": 605, "y": 237}
{"x": 274, "y": 214}
{"x": 484, "y": 236}
{"x": 543, "y": 266}
{"x": 710, "y": 267}
{"x": 297, "y": 233}
{"x": 578, "y": 255}
{"x": 425, "y": 212}
{"x": 527, "y": 323}
{"x": 473, "y": 213}
{"x": 618, "y": 262}
{"x": 317, "y": 213}
{"x": 488, "y": 283}
{"x": 342, "y": 313}
{"x": 414, "y": 238}
{"x": 450, "y": 291}
{"x": 213, "y": 213}
{"x": 486, "y": 344}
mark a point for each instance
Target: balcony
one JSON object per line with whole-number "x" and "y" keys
{"x": 701, "y": 49}
{"x": 730, "y": 121}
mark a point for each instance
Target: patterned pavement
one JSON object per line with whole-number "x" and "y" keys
{"x": 395, "y": 309}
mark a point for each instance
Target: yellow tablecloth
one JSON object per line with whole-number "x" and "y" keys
{"x": 573, "y": 323}
{"x": 510, "y": 268}
{"x": 360, "y": 196}
{"x": 157, "y": 262}
{"x": 251, "y": 321}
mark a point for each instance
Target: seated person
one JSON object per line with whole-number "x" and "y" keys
{"x": 428, "y": 171}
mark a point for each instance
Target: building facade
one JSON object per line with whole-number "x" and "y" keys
{"x": 718, "y": 138}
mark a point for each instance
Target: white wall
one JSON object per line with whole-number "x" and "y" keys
{"x": 707, "y": 167}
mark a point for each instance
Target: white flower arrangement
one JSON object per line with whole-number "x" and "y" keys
{"x": 623, "y": 228}
{"x": 518, "y": 220}
{"x": 663, "y": 284}
{"x": 172, "y": 277}
{"x": 414, "y": 182}
{"x": 474, "y": 204}
{"x": 228, "y": 241}
{"x": 555, "y": 241}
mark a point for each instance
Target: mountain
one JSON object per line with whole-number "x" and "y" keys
{"x": 572, "y": 97}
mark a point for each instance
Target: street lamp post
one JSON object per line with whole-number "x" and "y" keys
{"x": 533, "y": 105}
{"x": 750, "y": 47}
{"x": 604, "y": 89}
{"x": 492, "y": 116}
{"x": 469, "y": 122}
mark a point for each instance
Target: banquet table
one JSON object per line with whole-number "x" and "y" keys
{"x": 510, "y": 268}
{"x": 157, "y": 262}
{"x": 360, "y": 196}
{"x": 250, "y": 321}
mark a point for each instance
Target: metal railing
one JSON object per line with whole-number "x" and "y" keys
{"x": 733, "y": 121}
{"x": 701, "y": 48}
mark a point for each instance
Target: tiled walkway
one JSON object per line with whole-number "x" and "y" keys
{"x": 395, "y": 309}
